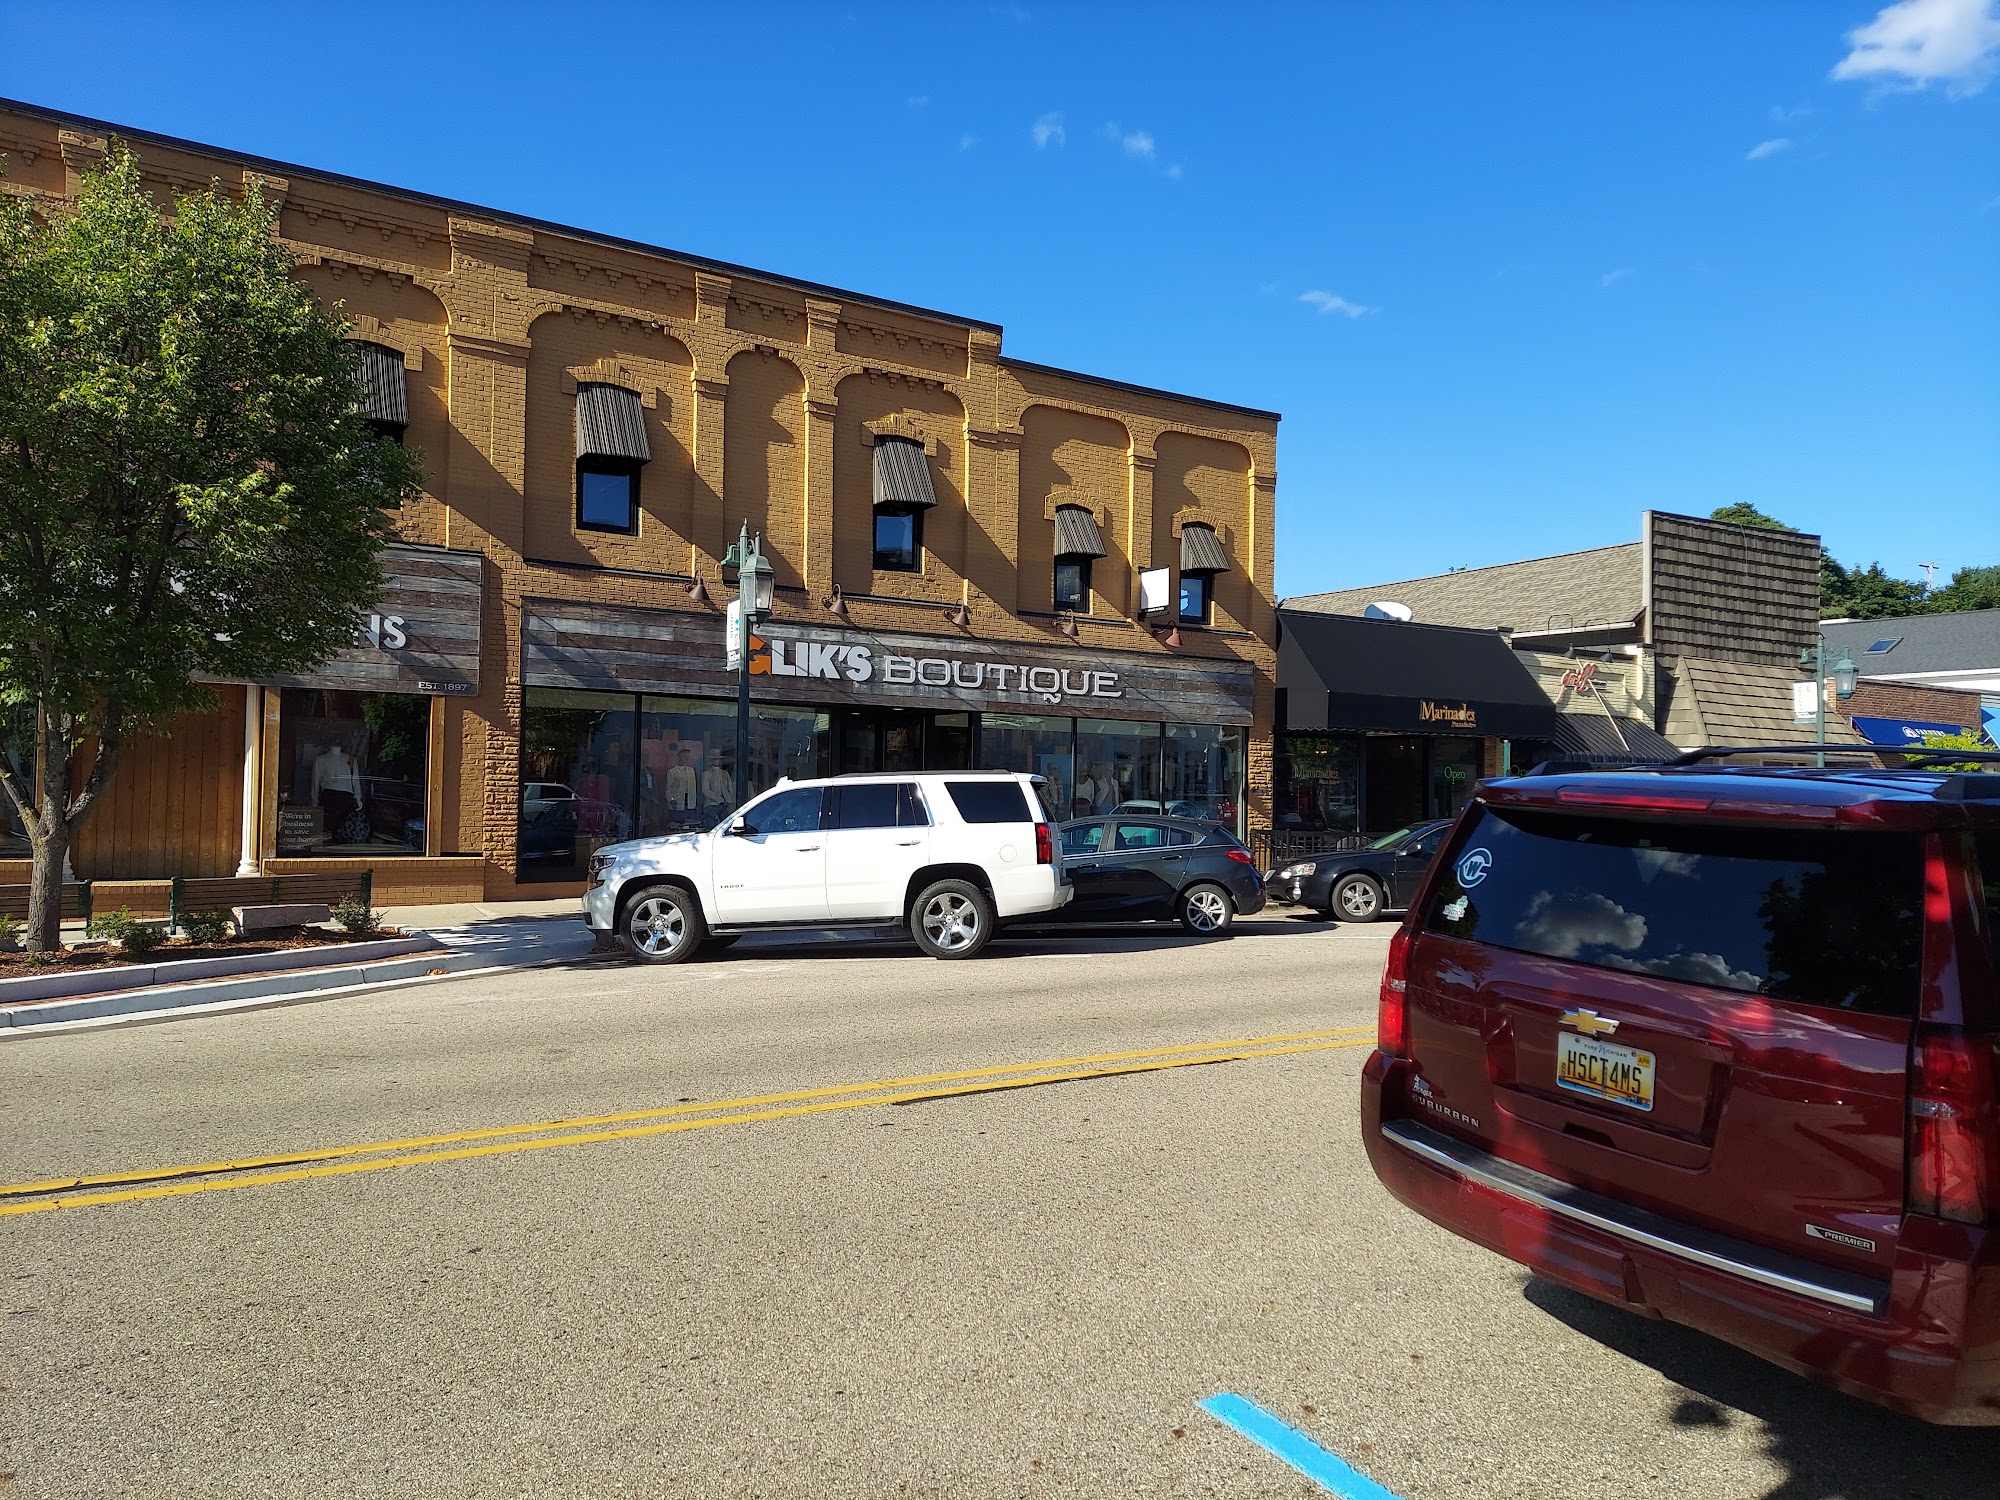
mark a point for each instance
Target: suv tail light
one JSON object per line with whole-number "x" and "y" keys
{"x": 1045, "y": 845}
{"x": 1952, "y": 1125}
{"x": 1392, "y": 1031}
{"x": 1241, "y": 856}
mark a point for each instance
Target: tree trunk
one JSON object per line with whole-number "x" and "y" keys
{"x": 50, "y": 844}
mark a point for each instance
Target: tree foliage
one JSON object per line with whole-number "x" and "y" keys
{"x": 1743, "y": 513}
{"x": 1872, "y": 593}
{"x": 186, "y": 487}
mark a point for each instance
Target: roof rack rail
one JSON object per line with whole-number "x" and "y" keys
{"x": 1905, "y": 752}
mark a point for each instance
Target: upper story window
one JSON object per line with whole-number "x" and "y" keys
{"x": 385, "y": 396}
{"x": 1202, "y": 558}
{"x": 611, "y": 449}
{"x": 903, "y": 493}
{"x": 1078, "y": 543}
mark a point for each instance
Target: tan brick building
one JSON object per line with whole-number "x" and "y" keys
{"x": 597, "y": 418}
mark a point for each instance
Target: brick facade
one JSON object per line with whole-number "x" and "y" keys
{"x": 760, "y": 398}
{"x": 1874, "y": 699}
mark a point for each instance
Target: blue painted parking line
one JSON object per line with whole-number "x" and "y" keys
{"x": 1294, "y": 1447}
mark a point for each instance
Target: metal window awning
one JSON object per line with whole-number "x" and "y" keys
{"x": 1595, "y": 733}
{"x": 1201, "y": 550}
{"x": 902, "y": 475}
{"x": 610, "y": 423}
{"x": 385, "y": 396}
{"x": 1077, "y": 535}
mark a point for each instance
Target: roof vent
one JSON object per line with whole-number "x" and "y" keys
{"x": 1387, "y": 609}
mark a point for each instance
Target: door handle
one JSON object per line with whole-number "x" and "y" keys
{"x": 1170, "y": 856}
{"x": 807, "y": 848}
{"x": 908, "y": 843}
{"x": 1091, "y": 866}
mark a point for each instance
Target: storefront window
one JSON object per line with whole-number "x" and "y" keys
{"x": 794, "y": 742}
{"x": 687, "y": 763}
{"x": 1318, "y": 783}
{"x": 1030, "y": 742}
{"x": 353, "y": 772}
{"x": 1118, "y": 762}
{"x": 1202, "y": 772}
{"x": 579, "y": 752}
{"x": 1455, "y": 766}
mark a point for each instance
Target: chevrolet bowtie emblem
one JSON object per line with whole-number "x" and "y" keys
{"x": 1589, "y": 1022}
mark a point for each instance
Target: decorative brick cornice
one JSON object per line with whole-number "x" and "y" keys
{"x": 711, "y": 389}
{"x": 1144, "y": 460}
{"x": 1003, "y": 438}
{"x": 273, "y": 189}
{"x": 1265, "y": 481}
{"x": 81, "y": 152}
{"x": 822, "y": 411}
{"x": 612, "y": 372}
{"x": 497, "y": 245}
{"x": 898, "y": 425}
{"x": 509, "y": 350}
{"x": 985, "y": 347}
{"x": 711, "y": 297}
{"x": 1065, "y": 494}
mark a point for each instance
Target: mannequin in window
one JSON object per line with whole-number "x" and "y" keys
{"x": 683, "y": 785}
{"x": 336, "y": 788}
{"x": 718, "y": 788}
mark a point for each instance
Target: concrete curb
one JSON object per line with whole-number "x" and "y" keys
{"x": 99, "y": 982}
{"x": 26, "y": 1020}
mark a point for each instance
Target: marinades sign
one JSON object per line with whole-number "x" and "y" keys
{"x": 853, "y": 661}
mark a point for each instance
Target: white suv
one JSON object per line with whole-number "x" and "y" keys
{"x": 952, "y": 854}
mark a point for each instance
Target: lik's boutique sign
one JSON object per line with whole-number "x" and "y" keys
{"x": 603, "y": 647}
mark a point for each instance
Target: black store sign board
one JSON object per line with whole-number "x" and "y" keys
{"x": 422, "y": 638}
{"x": 609, "y": 649}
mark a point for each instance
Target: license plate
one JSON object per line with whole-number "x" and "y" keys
{"x": 1605, "y": 1070}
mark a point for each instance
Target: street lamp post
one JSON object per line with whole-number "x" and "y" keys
{"x": 749, "y": 609}
{"x": 1845, "y": 677}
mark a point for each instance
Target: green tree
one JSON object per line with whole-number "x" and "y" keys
{"x": 1970, "y": 588}
{"x": 1973, "y": 741}
{"x": 1866, "y": 593}
{"x": 186, "y": 488}
{"x": 1743, "y": 513}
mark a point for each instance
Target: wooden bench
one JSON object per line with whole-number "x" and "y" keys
{"x": 75, "y": 901}
{"x": 202, "y": 893}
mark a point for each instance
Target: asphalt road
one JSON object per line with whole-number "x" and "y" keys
{"x": 1009, "y": 1291}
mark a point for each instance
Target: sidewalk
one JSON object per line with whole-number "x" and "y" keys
{"x": 469, "y": 938}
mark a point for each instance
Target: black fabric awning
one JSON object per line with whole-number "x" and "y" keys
{"x": 1077, "y": 534}
{"x": 611, "y": 423}
{"x": 1201, "y": 550}
{"x": 385, "y": 396}
{"x": 902, "y": 475}
{"x": 1595, "y": 733}
{"x": 1346, "y": 672}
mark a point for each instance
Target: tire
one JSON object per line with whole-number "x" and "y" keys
{"x": 951, "y": 919}
{"x": 1356, "y": 899}
{"x": 1206, "y": 910}
{"x": 662, "y": 925}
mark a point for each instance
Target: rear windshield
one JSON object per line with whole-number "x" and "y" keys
{"x": 1815, "y": 917}
{"x": 990, "y": 801}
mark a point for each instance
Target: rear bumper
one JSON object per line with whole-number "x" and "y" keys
{"x": 1926, "y": 1342}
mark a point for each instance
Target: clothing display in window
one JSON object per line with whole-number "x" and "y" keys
{"x": 718, "y": 787}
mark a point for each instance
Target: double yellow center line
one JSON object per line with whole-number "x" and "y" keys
{"x": 502, "y": 1140}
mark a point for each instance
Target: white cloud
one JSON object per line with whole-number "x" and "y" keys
{"x": 1768, "y": 148}
{"x": 1138, "y": 143}
{"x": 1175, "y": 172}
{"x": 1048, "y": 130}
{"x": 917, "y": 101}
{"x": 1563, "y": 929}
{"x": 967, "y": 142}
{"x": 1783, "y": 116}
{"x": 1327, "y": 302}
{"x": 1613, "y": 277}
{"x": 1915, "y": 43}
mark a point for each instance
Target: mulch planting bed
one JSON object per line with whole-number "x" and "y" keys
{"x": 173, "y": 950}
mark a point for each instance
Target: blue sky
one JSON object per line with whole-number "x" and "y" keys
{"x": 1512, "y": 273}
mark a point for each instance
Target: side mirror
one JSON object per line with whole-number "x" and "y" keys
{"x": 739, "y": 827}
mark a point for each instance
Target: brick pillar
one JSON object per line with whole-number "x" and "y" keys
{"x": 818, "y": 542}
{"x": 714, "y": 530}
{"x": 1139, "y": 520}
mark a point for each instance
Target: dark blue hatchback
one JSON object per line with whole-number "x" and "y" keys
{"x": 1151, "y": 869}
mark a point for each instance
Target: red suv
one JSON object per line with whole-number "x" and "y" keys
{"x": 1720, "y": 1044}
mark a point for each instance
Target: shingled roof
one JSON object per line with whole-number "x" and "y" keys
{"x": 1738, "y": 703}
{"x": 1603, "y": 586}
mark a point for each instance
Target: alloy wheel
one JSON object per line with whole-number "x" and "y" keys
{"x": 951, "y": 921}
{"x": 1207, "y": 910}
{"x": 1358, "y": 900}
{"x": 658, "y": 924}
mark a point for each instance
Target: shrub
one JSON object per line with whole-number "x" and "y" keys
{"x": 134, "y": 937}
{"x": 355, "y": 914}
{"x": 10, "y": 932}
{"x": 205, "y": 926}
